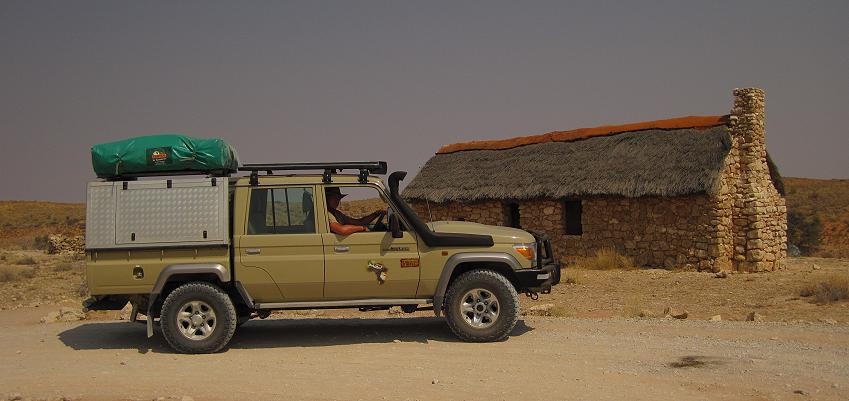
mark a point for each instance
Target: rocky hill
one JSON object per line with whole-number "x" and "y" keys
{"x": 26, "y": 224}
{"x": 825, "y": 201}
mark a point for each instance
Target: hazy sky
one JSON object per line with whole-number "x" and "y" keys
{"x": 394, "y": 80}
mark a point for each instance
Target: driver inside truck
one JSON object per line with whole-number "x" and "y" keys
{"x": 339, "y": 222}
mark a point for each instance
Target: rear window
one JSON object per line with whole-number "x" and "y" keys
{"x": 287, "y": 210}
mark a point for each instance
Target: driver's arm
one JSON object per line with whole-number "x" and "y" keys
{"x": 366, "y": 220}
{"x": 346, "y": 229}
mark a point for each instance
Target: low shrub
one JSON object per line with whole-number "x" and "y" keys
{"x": 25, "y": 260}
{"x": 83, "y": 288}
{"x": 40, "y": 242}
{"x": 63, "y": 267}
{"x": 832, "y": 289}
{"x": 8, "y": 273}
{"x": 15, "y": 273}
{"x": 28, "y": 272}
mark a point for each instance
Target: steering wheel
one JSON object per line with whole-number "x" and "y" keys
{"x": 378, "y": 224}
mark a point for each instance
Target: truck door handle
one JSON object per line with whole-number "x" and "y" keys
{"x": 341, "y": 248}
{"x": 253, "y": 251}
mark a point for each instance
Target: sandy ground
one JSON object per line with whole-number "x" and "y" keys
{"x": 588, "y": 350}
{"x": 417, "y": 357}
{"x": 775, "y": 295}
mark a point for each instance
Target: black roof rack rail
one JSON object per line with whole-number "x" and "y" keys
{"x": 136, "y": 176}
{"x": 365, "y": 168}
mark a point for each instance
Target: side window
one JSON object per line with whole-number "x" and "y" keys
{"x": 357, "y": 205}
{"x": 281, "y": 211}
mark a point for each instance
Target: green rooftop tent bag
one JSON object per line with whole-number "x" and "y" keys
{"x": 163, "y": 154}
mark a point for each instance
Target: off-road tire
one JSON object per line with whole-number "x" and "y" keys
{"x": 216, "y": 299}
{"x": 497, "y": 285}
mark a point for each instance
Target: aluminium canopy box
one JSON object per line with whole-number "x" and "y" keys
{"x": 157, "y": 213}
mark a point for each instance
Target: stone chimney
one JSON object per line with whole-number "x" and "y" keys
{"x": 759, "y": 213}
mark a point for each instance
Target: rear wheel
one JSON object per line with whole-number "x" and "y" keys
{"x": 481, "y": 306}
{"x": 198, "y": 318}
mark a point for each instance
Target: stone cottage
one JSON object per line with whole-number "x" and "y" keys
{"x": 696, "y": 192}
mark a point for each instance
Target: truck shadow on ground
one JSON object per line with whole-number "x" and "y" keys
{"x": 276, "y": 333}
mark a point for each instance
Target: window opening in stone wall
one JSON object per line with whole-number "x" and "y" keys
{"x": 512, "y": 215}
{"x": 572, "y": 216}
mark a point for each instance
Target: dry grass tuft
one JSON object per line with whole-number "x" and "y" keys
{"x": 832, "y": 289}
{"x": 569, "y": 277}
{"x": 560, "y": 311}
{"x": 15, "y": 273}
{"x": 633, "y": 307}
{"x": 64, "y": 267}
{"x": 606, "y": 259}
{"x": 28, "y": 272}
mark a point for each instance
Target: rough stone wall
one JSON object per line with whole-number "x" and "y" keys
{"x": 759, "y": 213}
{"x": 486, "y": 212}
{"x": 654, "y": 231}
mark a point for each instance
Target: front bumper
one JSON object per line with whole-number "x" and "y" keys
{"x": 539, "y": 279}
{"x": 547, "y": 272}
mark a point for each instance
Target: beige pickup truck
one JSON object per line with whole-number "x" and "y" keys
{"x": 202, "y": 255}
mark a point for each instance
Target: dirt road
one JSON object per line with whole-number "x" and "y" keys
{"x": 418, "y": 358}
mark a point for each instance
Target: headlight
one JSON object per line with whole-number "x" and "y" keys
{"x": 529, "y": 251}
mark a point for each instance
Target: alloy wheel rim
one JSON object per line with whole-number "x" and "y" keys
{"x": 479, "y": 308}
{"x": 196, "y": 320}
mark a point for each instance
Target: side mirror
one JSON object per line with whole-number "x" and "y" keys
{"x": 395, "y": 226}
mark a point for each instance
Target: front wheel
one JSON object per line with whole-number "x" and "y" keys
{"x": 198, "y": 318}
{"x": 481, "y": 306}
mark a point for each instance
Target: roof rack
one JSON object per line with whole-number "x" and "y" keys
{"x": 376, "y": 167}
{"x": 136, "y": 176}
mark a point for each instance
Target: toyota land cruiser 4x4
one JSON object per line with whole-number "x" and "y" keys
{"x": 202, "y": 255}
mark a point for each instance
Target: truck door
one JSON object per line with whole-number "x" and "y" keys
{"x": 280, "y": 246}
{"x": 367, "y": 264}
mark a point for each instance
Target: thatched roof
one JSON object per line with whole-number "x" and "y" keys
{"x": 657, "y": 161}
{"x": 584, "y": 133}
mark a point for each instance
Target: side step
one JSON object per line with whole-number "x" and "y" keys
{"x": 356, "y": 303}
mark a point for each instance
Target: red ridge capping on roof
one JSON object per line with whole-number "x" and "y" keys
{"x": 584, "y": 133}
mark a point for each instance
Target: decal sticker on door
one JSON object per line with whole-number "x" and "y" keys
{"x": 379, "y": 270}
{"x": 410, "y": 262}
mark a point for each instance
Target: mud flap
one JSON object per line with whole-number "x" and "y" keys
{"x": 134, "y": 313}
{"x": 150, "y": 320}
